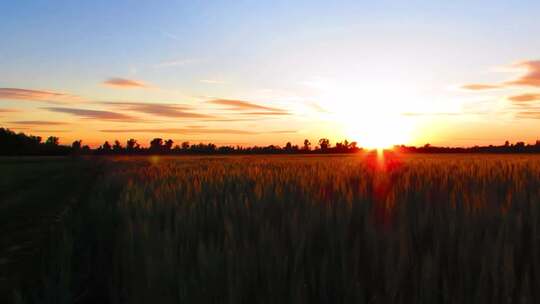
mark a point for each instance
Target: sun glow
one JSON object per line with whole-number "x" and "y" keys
{"x": 380, "y": 131}
{"x": 375, "y": 120}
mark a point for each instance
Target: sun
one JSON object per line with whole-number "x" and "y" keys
{"x": 375, "y": 127}
{"x": 372, "y": 113}
{"x": 381, "y": 131}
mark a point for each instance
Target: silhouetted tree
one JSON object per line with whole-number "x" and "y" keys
{"x": 76, "y": 145}
{"x": 307, "y": 145}
{"x": 35, "y": 139}
{"x": 132, "y": 145}
{"x": 86, "y": 149}
{"x": 156, "y": 145}
{"x": 288, "y": 147}
{"x": 117, "y": 147}
{"x": 12, "y": 143}
{"x": 106, "y": 147}
{"x": 52, "y": 141}
{"x": 324, "y": 143}
{"x": 168, "y": 145}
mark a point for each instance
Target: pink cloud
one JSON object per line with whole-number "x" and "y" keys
{"x": 123, "y": 83}
{"x": 525, "y": 97}
{"x": 95, "y": 114}
{"x": 531, "y": 77}
{"x": 37, "y": 95}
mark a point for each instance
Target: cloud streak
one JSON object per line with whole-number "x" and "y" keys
{"x": 37, "y": 95}
{"x": 38, "y": 123}
{"x": 273, "y": 113}
{"x": 8, "y": 111}
{"x": 480, "y": 87}
{"x": 525, "y": 97}
{"x": 161, "y": 109}
{"x": 531, "y": 77}
{"x": 235, "y": 104}
{"x": 529, "y": 114}
{"x": 242, "y": 106}
{"x": 183, "y": 131}
{"x": 95, "y": 114}
{"x": 50, "y": 130}
{"x": 123, "y": 83}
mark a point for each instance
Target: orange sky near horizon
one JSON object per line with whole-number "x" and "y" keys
{"x": 332, "y": 112}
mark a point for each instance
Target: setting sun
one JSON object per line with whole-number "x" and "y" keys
{"x": 381, "y": 125}
{"x": 380, "y": 132}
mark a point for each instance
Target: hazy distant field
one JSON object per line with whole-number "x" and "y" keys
{"x": 297, "y": 229}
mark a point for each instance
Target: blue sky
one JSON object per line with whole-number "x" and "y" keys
{"x": 362, "y": 64}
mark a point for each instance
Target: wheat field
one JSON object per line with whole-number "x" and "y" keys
{"x": 302, "y": 229}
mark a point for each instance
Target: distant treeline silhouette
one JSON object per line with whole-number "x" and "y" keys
{"x": 14, "y": 144}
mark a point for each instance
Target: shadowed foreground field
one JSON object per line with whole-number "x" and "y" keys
{"x": 321, "y": 229}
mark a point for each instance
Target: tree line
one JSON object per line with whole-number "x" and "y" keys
{"x": 507, "y": 147}
{"x": 161, "y": 146}
{"x": 12, "y": 143}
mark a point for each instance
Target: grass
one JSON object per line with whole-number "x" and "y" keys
{"x": 316, "y": 229}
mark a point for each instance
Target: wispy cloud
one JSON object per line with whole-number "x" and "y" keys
{"x": 161, "y": 109}
{"x": 8, "y": 110}
{"x": 125, "y": 83}
{"x": 480, "y": 87}
{"x": 531, "y": 77}
{"x": 235, "y": 104}
{"x": 253, "y": 108}
{"x": 229, "y": 119}
{"x": 38, "y": 122}
{"x": 529, "y": 114}
{"x": 263, "y": 113}
{"x": 37, "y": 95}
{"x": 184, "y": 131}
{"x": 95, "y": 114}
{"x": 525, "y": 97}
{"x": 50, "y": 130}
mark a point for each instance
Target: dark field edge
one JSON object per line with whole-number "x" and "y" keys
{"x": 44, "y": 203}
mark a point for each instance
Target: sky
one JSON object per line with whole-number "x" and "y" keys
{"x": 380, "y": 73}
